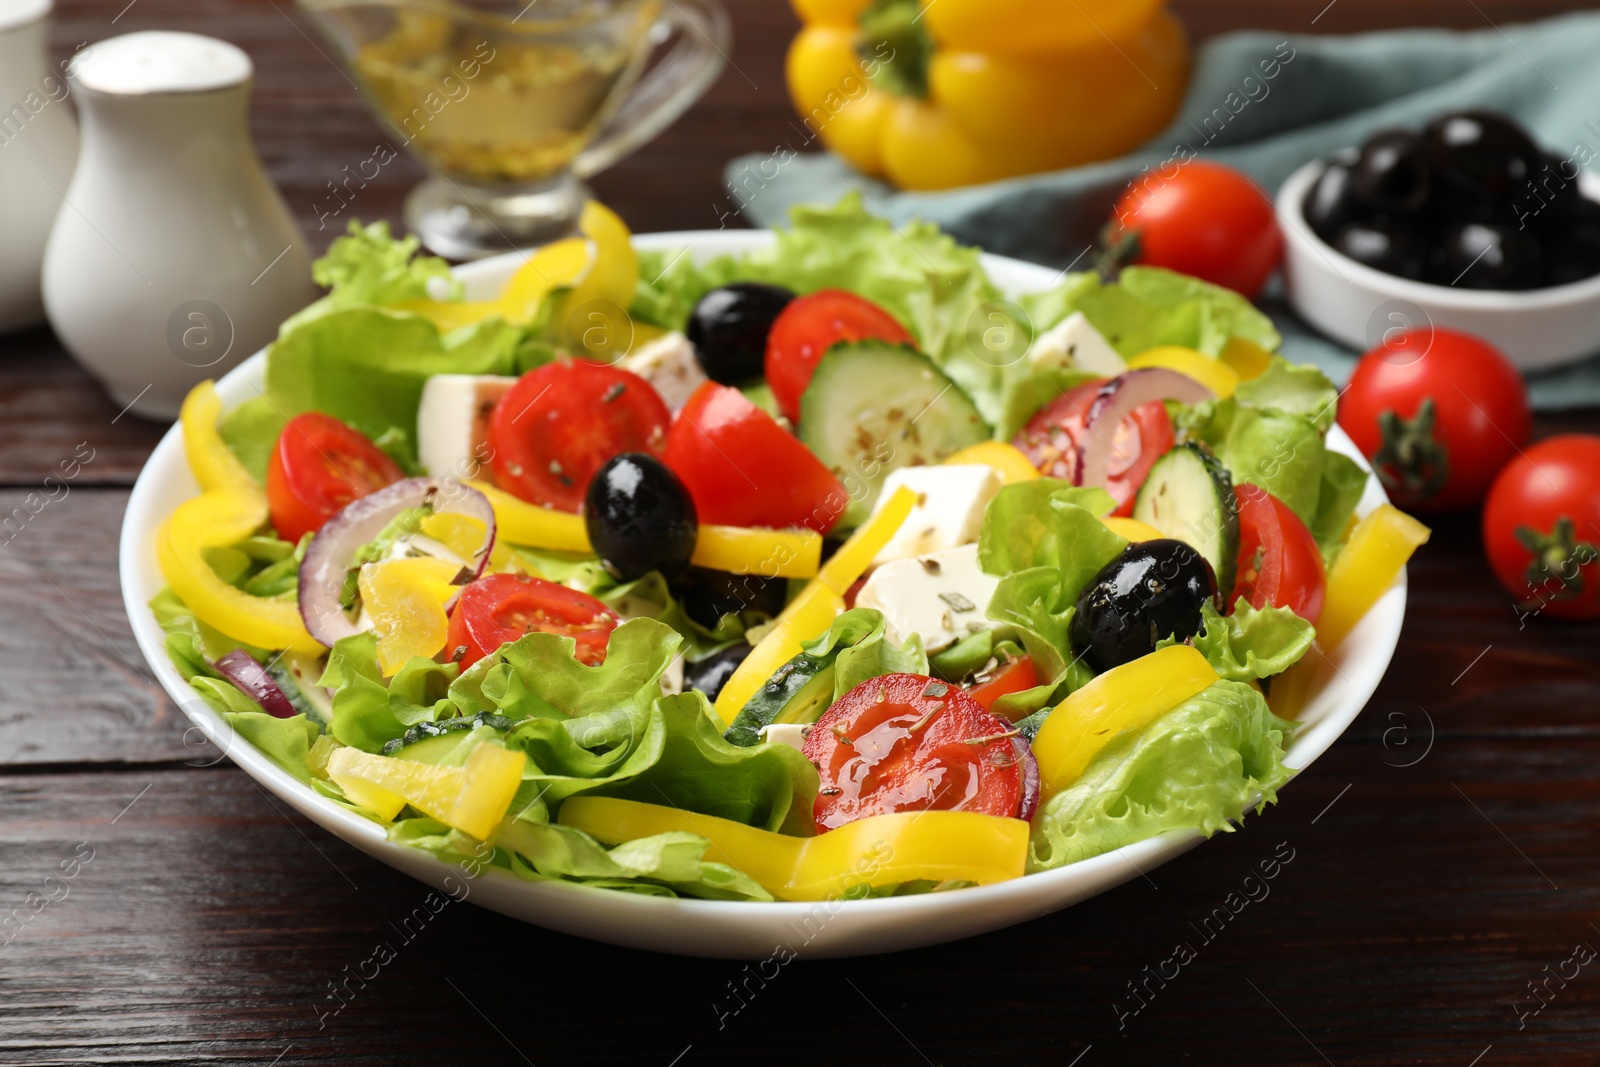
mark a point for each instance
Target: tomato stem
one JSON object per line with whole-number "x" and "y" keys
{"x": 1558, "y": 556}
{"x": 1412, "y": 459}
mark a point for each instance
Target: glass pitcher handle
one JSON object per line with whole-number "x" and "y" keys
{"x": 667, "y": 91}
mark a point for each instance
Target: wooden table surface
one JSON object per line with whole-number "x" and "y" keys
{"x": 1443, "y": 850}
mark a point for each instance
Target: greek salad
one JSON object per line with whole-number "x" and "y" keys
{"x": 823, "y": 570}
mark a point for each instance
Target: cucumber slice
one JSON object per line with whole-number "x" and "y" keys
{"x": 296, "y": 674}
{"x": 446, "y": 741}
{"x": 874, "y": 407}
{"x": 799, "y": 693}
{"x": 1189, "y": 497}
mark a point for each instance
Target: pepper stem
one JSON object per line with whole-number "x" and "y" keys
{"x": 895, "y": 47}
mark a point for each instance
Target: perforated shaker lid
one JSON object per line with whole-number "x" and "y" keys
{"x": 160, "y": 61}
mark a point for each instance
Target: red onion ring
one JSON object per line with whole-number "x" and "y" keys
{"x": 1031, "y": 783}
{"x": 1116, "y": 401}
{"x": 252, "y": 679}
{"x": 328, "y": 559}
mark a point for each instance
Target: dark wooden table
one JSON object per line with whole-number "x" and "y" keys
{"x": 1444, "y": 851}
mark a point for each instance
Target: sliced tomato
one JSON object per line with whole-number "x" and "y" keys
{"x": 808, "y": 326}
{"x": 561, "y": 422}
{"x": 500, "y": 608}
{"x": 1013, "y": 676}
{"x": 1279, "y": 562}
{"x": 320, "y": 465}
{"x": 907, "y": 742}
{"x": 742, "y": 469}
{"x": 1053, "y": 441}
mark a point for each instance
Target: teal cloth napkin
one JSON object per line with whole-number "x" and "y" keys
{"x": 1327, "y": 93}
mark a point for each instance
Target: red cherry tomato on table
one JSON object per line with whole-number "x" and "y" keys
{"x": 742, "y": 469}
{"x": 561, "y": 422}
{"x": 1206, "y": 220}
{"x": 1003, "y": 680}
{"x": 500, "y": 608}
{"x": 1438, "y": 413}
{"x": 1279, "y": 562}
{"x": 320, "y": 465}
{"x": 808, "y": 326}
{"x": 907, "y": 742}
{"x": 1054, "y": 437}
{"x": 1541, "y": 527}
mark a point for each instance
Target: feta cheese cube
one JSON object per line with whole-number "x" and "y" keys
{"x": 453, "y": 421}
{"x": 941, "y": 596}
{"x": 948, "y": 511}
{"x": 669, "y": 364}
{"x": 1074, "y": 344}
{"x": 792, "y": 734}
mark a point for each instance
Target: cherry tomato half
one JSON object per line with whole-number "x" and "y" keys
{"x": 808, "y": 326}
{"x": 1279, "y": 562}
{"x": 907, "y": 742}
{"x": 742, "y": 469}
{"x": 320, "y": 465}
{"x": 1541, "y": 527}
{"x": 1438, "y": 413}
{"x": 499, "y": 608}
{"x": 1054, "y": 437}
{"x": 1206, "y": 220}
{"x": 1006, "y": 678}
{"x": 561, "y": 422}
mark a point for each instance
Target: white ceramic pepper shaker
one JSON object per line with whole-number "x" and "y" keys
{"x": 174, "y": 257}
{"x": 38, "y": 145}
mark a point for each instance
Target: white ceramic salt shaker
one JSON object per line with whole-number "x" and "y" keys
{"x": 175, "y": 257}
{"x": 38, "y": 145}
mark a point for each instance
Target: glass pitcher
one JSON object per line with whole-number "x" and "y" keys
{"x": 510, "y": 105}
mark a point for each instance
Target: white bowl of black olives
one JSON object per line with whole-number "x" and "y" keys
{"x": 1466, "y": 224}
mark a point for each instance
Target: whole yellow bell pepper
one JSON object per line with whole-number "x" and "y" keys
{"x": 881, "y": 850}
{"x": 934, "y": 94}
{"x": 230, "y": 507}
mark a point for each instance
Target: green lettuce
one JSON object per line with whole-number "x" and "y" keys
{"x": 1147, "y": 307}
{"x": 1343, "y": 482}
{"x": 1045, "y": 541}
{"x": 1248, "y": 643}
{"x": 367, "y": 711}
{"x": 1293, "y": 388}
{"x": 1195, "y": 768}
{"x": 369, "y": 266}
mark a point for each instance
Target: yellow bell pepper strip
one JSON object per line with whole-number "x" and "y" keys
{"x": 1247, "y": 359}
{"x": 939, "y": 93}
{"x": 1367, "y": 566}
{"x": 463, "y": 535}
{"x": 736, "y": 549}
{"x": 807, "y": 616}
{"x": 1212, "y": 373}
{"x": 1125, "y": 698}
{"x": 231, "y": 507}
{"x": 1004, "y": 459}
{"x": 880, "y": 850}
{"x": 472, "y": 798}
{"x": 1132, "y": 529}
{"x": 857, "y": 554}
{"x": 749, "y": 550}
{"x": 405, "y": 599}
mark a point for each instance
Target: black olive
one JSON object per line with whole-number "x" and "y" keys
{"x": 1550, "y": 199}
{"x": 708, "y": 595}
{"x": 1486, "y": 255}
{"x": 640, "y": 518}
{"x": 713, "y": 672}
{"x": 1152, "y": 590}
{"x": 1384, "y": 245}
{"x": 728, "y": 328}
{"x": 1392, "y": 173}
{"x": 1331, "y": 202}
{"x": 1486, "y": 154}
{"x": 1573, "y": 256}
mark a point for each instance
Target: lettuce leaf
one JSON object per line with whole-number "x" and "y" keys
{"x": 1293, "y": 388}
{"x": 1343, "y": 483}
{"x": 367, "y": 713}
{"x": 1195, "y": 768}
{"x": 370, "y": 266}
{"x": 1045, "y": 540}
{"x": 1148, "y": 306}
{"x": 858, "y": 641}
{"x": 1248, "y": 644}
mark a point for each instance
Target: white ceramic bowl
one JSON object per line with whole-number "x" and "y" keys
{"x": 1356, "y": 305}
{"x": 714, "y": 928}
